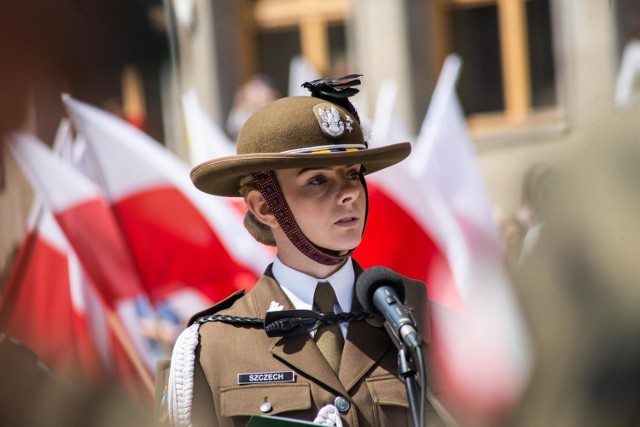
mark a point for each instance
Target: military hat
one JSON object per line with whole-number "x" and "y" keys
{"x": 296, "y": 132}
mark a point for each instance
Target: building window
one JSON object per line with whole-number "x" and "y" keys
{"x": 508, "y": 75}
{"x": 282, "y": 29}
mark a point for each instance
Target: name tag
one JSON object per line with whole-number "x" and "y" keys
{"x": 267, "y": 377}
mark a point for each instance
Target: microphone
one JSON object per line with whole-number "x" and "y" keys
{"x": 381, "y": 292}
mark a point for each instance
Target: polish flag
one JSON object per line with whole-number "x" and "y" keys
{"x": 47, "y": 306}
{"x": 300, "y": 71}
{"x": 91, "y": 230}
{"x": 206, "y": 139}
{"x": 480, "y": 344}
{"x": 396, "y": 236}
{"x": 190, "y": 248}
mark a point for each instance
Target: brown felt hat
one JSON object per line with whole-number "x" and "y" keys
{"x": 295, "y": 132}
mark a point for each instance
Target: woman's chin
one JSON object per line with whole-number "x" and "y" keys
{"x": 349, "y": 247}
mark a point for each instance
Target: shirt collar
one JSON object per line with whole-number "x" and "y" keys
{"x": 300, "y": 287}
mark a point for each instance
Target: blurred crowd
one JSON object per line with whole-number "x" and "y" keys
{"x": 31, "y": 395}
{"x": 521, "y": 230}
{"x": 572, "y": 250}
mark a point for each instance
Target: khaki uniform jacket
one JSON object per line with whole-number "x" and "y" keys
{"x": 368, "y": 376}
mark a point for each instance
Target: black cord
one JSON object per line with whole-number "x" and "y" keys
{"x": 422, "y": 380}
{"x": 288, "y": 322}
{"x": 252, "y": 321}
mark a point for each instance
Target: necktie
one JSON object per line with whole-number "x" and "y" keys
{"x": 328, "y": 338}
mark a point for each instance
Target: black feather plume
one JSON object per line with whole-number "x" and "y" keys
{"x": 337, "y": 91}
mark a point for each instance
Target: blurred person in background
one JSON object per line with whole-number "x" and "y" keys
{"x": 513, "y": 233}
{"x": 257, "y": 92}
{"x": 537, "y": 202}
{"x": 520, "y": 231}
{"x": 579, "y": 286}
{"x": 33, "y": 396}
{"x": 627, "y": 86}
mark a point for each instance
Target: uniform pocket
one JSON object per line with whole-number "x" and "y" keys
{"x": 388, "y": 390}
{"x": 389, "y": 395}
{"x": 246, "y": 400}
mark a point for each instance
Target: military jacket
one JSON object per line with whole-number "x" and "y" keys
{"x": 290, "y": 376}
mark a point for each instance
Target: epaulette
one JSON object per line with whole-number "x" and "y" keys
{"x": 222, "y": 305}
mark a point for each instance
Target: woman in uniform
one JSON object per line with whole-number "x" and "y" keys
{"x": 300, "y": 166}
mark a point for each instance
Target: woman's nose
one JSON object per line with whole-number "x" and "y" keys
{"x": 349, "y": 191}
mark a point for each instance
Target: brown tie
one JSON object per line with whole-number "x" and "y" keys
{"x": 328, "y": 338}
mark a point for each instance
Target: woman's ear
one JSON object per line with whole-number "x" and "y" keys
{"x": 257, "y": 205}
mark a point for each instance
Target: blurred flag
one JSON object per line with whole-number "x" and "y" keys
{"x": 395, "y": 236}
{"x": 206, "y": 139}
{"x": 431, "y": 219}
{"x": 90, "y": 228}
{"x": 482, "y": 353}
{"x": 191, "y": 249}
{"x": 387, "y": 127}
{"x": 47, "y": 307}
{"x": 300, "y": 71}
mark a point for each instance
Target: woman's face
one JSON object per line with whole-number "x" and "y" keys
{"x": 328, "y": 204}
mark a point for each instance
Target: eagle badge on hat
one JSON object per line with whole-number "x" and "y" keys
{"x": 330, "y": 121}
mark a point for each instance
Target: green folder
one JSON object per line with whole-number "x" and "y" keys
{"x": 267, "y": 421}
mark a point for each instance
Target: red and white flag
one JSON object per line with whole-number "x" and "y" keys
{"x": 396, "y": 234}
{"x": 480, "y": 343}
{"x": 47, "y": 306}
{"x": 191, "y": 249}
{"x": 92, "y": 232}
{"x": 300, "y": 71}
{"x": 387, "y": 127}
{"x": 206, "y": 139}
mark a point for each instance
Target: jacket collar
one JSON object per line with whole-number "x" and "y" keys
{"x": 364, "y": 347}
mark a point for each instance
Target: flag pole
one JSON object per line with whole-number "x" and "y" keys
{"x": 121, "y": 335}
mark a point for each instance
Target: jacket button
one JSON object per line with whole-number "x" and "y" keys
{"x": 266, "y": 407}
{"x": 342, "y": 404}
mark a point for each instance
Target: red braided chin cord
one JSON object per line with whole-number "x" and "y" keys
{"x": 272, "y": 193}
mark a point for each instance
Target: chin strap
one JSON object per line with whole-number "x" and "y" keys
{"x": 270, "y": 189}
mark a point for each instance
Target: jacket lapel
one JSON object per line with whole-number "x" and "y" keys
{"x": 300, "y": 352}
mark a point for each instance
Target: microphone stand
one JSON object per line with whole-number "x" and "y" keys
{"x": 407, "y": 373}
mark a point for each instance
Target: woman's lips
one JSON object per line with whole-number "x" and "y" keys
{"x": 347, "y": 221}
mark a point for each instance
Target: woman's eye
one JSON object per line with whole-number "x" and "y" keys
{"x": 318, "y": 180}
{"x": 353, "y": 175}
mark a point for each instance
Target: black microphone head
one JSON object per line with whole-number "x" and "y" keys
{"x": 371, "y": 279}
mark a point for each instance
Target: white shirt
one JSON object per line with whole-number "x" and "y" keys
{"x": 300, "y": 287}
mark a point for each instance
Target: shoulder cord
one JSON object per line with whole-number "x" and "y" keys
{"x": 252, "y": 321}
{"x": 180, "y": 387}
{"x": 288, "y": 322}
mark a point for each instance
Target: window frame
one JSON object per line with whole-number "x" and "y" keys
{"x": 518, "y": 118}
{"x": 311, "y": 17}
